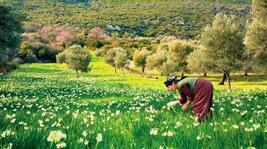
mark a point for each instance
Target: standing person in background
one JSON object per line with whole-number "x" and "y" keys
{"x": 193, "y": 91}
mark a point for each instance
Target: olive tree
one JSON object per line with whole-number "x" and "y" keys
{"x": 224, "y": 44}
{"x": 140, "y": 57}
{"x": 116, "y": 57}
{"x": 121, "y": 59}
{"x": 157, "y": 59}
{"x": 256, "y": 35}
{"x": 76, "y": 57}
{"x": 177, "y": 55}
{"x": 197, "y": 61}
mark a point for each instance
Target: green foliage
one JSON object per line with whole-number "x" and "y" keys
{"x": 30, "y": 58}
{"x": 116, "y": 57}
{"x": 10, "y": 30}
{"x": 76, "y": 57}
{"x": 170, "y": 56}
{"x": 109, "y": 57}
{"x": 61, "y": 58}
{"x": 97, "y": 43}
{"x": 168, "y": 68}
{"x": 103, "y": 50}
{"x": 25, "y": 47}
{"x": 140, "y": 57}
{"x": 198, "y": 61}
{"x": 177, "y": 55}
{"x": 157, "y": 59}
{"x": 77, "y": 41}
{"x": 180, "y": 18}
{"x": 121, "y": 58}
{"x": 259, "y": 10}
{"x": 40, "y": 50}
{"x": 256, "y": 35}
{"x": 224, "y": 43}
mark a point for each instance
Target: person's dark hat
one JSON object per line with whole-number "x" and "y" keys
{"x": 170, "y": 80}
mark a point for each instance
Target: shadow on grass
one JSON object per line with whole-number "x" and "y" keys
{"x": 238, "y": 78}
{"x": 38, "y": 70}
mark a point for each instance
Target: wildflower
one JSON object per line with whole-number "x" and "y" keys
{"x": 84, "y": 133}
{"x": 168, "y": 134}
{"x": 208, "y": 136}
{"x": 99, "y": 137}
{"x": 75, "y": 115}
{"x": 178, "y": 124}
{"x": 248, "y": 129}
{"x": 80, "y": 140}
{"x": 256, "y": 126}
{"x": 55, "y": 136}
{"x": 117, "y": 112}
{"x": 235, "y": 126}
{"x": 13, "y": 120}
{"x": 198, "y": 138}
{"x": 61, "y": 145}
{"x": 41, "y": 123}
{"x": 154, "y": 131}
{"x": 7, "y": 133}
{"x": 86, "y": 142}
{"x": 244, "y": 112}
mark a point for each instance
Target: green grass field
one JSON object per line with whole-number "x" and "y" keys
{"x": 46, "y": 106}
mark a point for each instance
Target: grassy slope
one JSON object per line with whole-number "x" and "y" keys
{"x": 149, "y": 18}
{"x": 102, "y": 71}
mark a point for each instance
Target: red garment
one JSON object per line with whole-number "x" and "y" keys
{"x": 201, "y": 97}
{"x": 186, "y": 92}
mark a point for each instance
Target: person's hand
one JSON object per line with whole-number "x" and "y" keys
{"x": 185, "y": 107}
{"x": 172, "y": 103}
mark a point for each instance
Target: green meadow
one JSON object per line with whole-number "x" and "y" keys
{"x": 46, "y": 106}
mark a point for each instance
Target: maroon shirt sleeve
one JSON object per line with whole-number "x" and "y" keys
{"x": 186, "y": 92}
{"x": 183, "y": 99}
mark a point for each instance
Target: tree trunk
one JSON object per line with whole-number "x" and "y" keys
{"x": 224, "y": 78}
{"x": 143, "y": 69}
{"x": 115, "y": 69}
{"x": 77, "y": 73}
{"x": 205, "y": 74}
{"x": 246, "y": 73}
{"x": 123, "y": 71}
{"x": 182, "y": 74}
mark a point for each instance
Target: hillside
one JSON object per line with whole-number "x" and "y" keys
{"x": 184, "y": 19}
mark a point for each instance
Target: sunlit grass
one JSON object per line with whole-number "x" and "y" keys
{"x": 127, "y": 111}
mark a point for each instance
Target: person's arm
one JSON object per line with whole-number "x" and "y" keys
{"x": 173, "y": 103}
{"x": 182, "y": 99}
{"x": 186, "y": 105}
{"x": 186, "y": 91}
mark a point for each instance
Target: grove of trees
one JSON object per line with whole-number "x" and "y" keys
{"x": 10, "y": 34}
